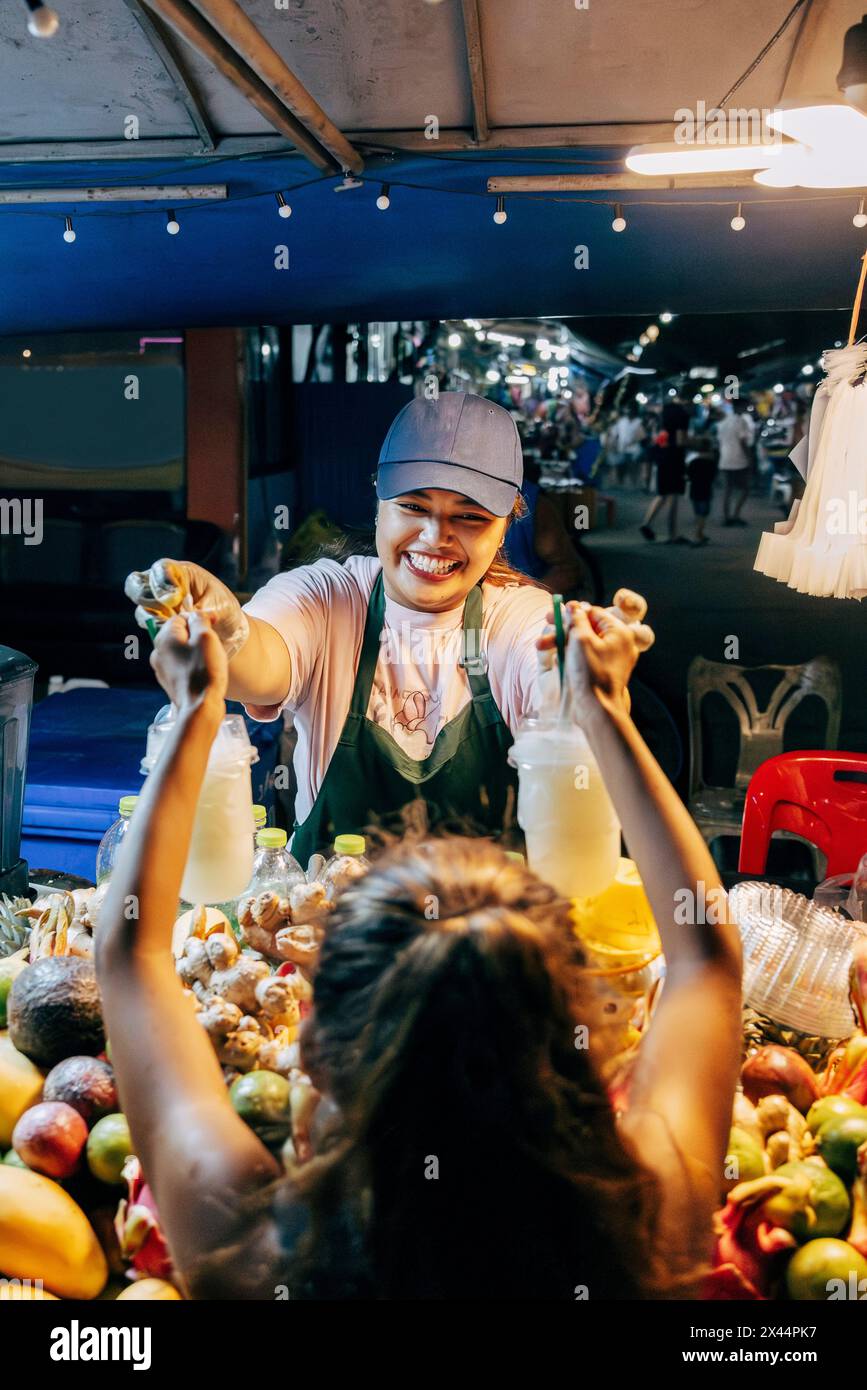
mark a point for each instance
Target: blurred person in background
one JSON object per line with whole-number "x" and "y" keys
{"x": 670, "y": 458}
{"x": 736, "y": 437}
{"x": 702, "y": 462}
{"x": 624, "y": 441}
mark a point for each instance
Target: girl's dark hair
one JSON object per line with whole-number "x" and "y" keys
{"x": 473, "y": 1151}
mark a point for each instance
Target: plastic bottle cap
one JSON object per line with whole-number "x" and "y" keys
{"x": 127, "y": 805}
{"x": 349, "y": 844}
{"x": 272, "y": 838}
{"x": 260, "y": 816}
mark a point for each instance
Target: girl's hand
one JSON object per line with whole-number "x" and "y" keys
{"x": 603, "y": 645}
{"x": 190, "y": 661}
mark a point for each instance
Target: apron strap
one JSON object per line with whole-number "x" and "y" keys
{"x": 370, "y": 646}
{"x": 474, "y": 659}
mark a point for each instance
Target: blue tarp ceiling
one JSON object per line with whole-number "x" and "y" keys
{"x": 434, "y": 253}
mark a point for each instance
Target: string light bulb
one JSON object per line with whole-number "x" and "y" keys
{"x": 501, "y": 216}
{"x": 665, "y": 317}
{"x": 860, "y": 218}
{"x": 283, "y": 207}
{"x": 383, "y": 202}
{"x": 619, "y": 223}
{"x": 43, "y": 22}
{"x": 173, "y": 226}
{"x": 69, "y": 230}
{"x": 738, "y": 222}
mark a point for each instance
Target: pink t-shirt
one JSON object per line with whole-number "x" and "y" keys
{"x": 320, "y": 610}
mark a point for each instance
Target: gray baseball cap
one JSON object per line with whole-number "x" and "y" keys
{"x": 460, "y": 442}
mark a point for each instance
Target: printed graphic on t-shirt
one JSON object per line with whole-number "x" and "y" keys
{"x": 412, "y": 717}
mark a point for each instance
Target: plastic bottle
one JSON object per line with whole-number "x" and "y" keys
{"x": 346, "y": 863}
{"x": 274, "y": 868}
{"x": 113, "y": 838}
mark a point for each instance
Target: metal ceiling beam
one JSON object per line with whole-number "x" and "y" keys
{"x": 253, "y": 48}
{"x": 161, "y": 41}
{"x": 476, "y": 63}
{"x": 522, "y": 137}
{"x": 190, "y": 26}
{"x": 616, "y": 183}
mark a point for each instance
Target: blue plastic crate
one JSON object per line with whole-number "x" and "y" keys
{"x": 85, "y": 751}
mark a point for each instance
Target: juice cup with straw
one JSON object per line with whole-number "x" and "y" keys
{"x": 570, "y": 826}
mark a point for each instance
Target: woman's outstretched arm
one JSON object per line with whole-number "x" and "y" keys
{"x": 200, "y": 1158}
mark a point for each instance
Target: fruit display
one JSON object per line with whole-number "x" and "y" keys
{"x": 80, "y": 1212}
{"x": 794, "y": 1219}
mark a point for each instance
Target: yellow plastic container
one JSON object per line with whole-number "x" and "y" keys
{"x": 617, "y": 927}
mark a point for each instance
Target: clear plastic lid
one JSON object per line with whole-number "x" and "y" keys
{"x": 797, "y": 956}
{"x": 548, "y": 739}
{"x": 231, "y": 746}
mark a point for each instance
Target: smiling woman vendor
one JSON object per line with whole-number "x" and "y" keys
{"x": 404, "y": 671}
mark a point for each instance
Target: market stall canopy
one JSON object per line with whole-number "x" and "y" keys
{"x": 230, "y": 106}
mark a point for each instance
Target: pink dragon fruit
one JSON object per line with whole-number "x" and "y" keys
{"x": 747, "y": 1243}
{"x": 138, "y": 1228}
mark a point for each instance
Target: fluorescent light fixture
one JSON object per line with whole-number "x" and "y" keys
{"x": 662, "y": 160}
{"x": 832, "y": 148}
{"x": 825, "y": 168}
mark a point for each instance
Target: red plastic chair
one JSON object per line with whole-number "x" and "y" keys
{"x": 820, "y": 795}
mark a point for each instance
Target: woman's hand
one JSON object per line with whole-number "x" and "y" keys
{"x": 172, "y": 587}
{"x": 190, "y": 661}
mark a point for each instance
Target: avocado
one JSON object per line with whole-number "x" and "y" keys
{"x": 55, "y": 1010}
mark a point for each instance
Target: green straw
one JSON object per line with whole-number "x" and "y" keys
{"x": 560, "y": 635}
{"x": 152, "y": 628}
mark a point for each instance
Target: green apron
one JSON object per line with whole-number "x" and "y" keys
{"x": 465, "y": 781}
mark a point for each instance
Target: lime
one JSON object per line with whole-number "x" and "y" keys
{"x": 262, "y": 1099}
{"x": 839, "y": 1141}
{"x": 824, "y": 1193}
{"x": 830, "y": 1106}
{"x": 744, "y": 1158}
{"x": 826, "y": 1269}
{"x": 108, "y": 1147}
{"x": 14, "y": 1160}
